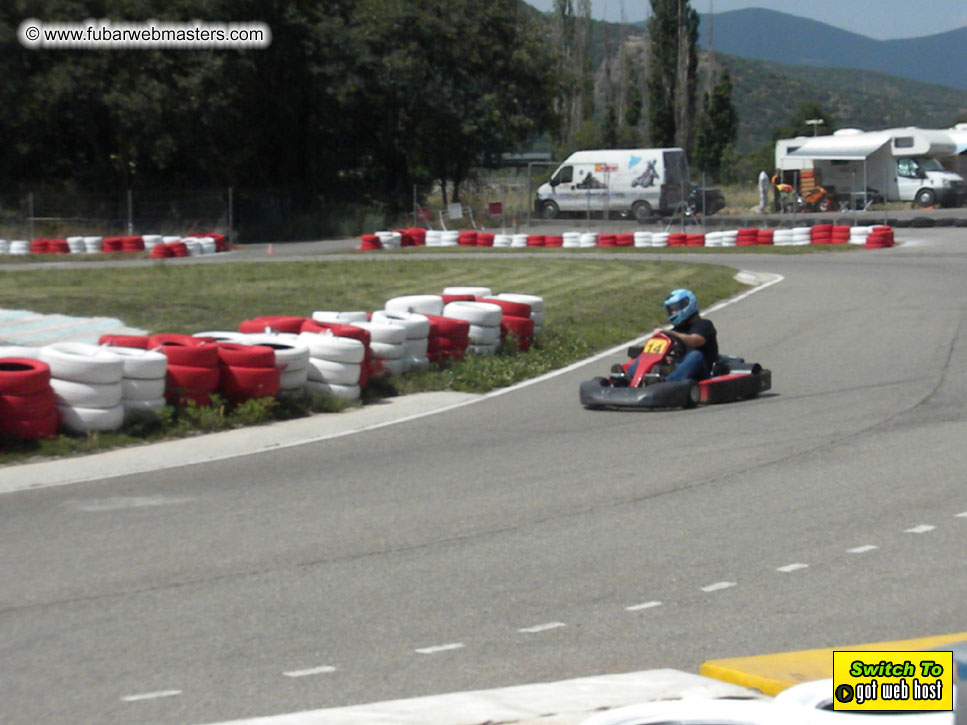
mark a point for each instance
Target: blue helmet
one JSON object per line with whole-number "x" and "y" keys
{"x": 680, "y": 305}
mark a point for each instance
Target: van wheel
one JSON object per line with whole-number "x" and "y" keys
{"x": 641, "y": 211}
{"x": 925, "y": 197}
{"x": 550, "y": 210}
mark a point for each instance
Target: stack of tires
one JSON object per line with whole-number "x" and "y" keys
{"x": 607, "y": 240}
{"x": 697, "y": 240}
{"x": 765, "y": 236}
{"x": 193, "y": 374}
{"x": 144, "y": 381}
{"x": 28, "y": 406}
{"x": 420, "y": 304}
{"x": 801, "y": 236}
{"x": 624, "y": 240}
{"x": 450, "y": 239}
{"x": 138, "y": 341}
{"x": 86, "y": 380}
{"x": 535, "y": 303}
{"x": 269, "y": 324}
{"x": 485, "y": 239}
{"x": 588, "y": 240}
{"x": 467, "y": 239}
{"x": 554, "y": 240}
{"x": 369, "y": 243}
{"x": 747, "y": 237}
{"x": 434, "y": 238}
{"x": 518, "y": 241}
{"x": 572, "y": 240}
{"x": 484, "y": 320}
{"x": 516, "y": 324}
{"x": 535, "y": 240}
{"x": 659, "y": 239}
{"x": 642, "y": 239}
{"x": 821, "y": 234}
{"x": 291, "y": 359}
{"x": 880, "y": 237}
{"x": 19, "y": 246}
{"x": 782, "y": 237}
{"x": 859, "y": 234}
{"x": 677, "y": 239}
{"x": 840, "y": 234}
{"x": 335, "y": 366}
{"x": 247, "y": 371}
{"x": 388, "y": 345}
{"x": 730, "y": 238}
{"x": 350, "y": 331}
{"x": 714, "y": 239}
{"x": 503, "y": 241}
{"x": 418, "y": 235}
{"x": 448, "y": 339}
{"x": 417, "y": 333}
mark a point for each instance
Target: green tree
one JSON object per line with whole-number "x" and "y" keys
{"x": 673, "y": 72}
{"x": 718, "y": 126}
{"x": 797, "y": 126}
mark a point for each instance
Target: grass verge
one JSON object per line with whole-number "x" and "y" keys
{"x": 590, "y": 305}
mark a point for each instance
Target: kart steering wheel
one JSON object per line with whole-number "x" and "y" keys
{"x": 677, "y": 350}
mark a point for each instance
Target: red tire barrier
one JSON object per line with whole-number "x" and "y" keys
{"x": 418, "y": 235}
{"x": 406, "y": 239}
{"x": 485, "y": 239}
{"x": 624, "y": 240}
{"x": 337, "y": 328}
{"x": 236, "y": 355}
{"x": 765, "y": 236}
{"x": 467, "y": 239}
{"x": 880, "y": 237}
{"x": 535, "y": 240}
{"x": 186, "y": 384}
{"x": 178, "y": 249}
{"x": 278, "y": 323}
{"x": 520, "y": 329}
{"x": 841, "y": 233}
{"x": 243, "y": 383}
{"x": 513, "y": 309}
{"x": 112, "y": 244}
{"x": 31, "y": 429}
{"x": 747, "y": 237}
{"x": 447, "y": 327}
{"x": 677, "y": 239}
{"x": 447, "y": 299}
{"x": 607, "y": 240}
{"x": 58, "y": 246}
{"x": 138, "y": 341}
{"x": 23, "y": 375}
{"x": 369, "y": 242}
{"x": 28, "y": 405}
{"x": 161, "y": 251}
{"x": 554, "y": 241}
{"x": 132, "y": 244}
{"x": 39, "y": 246}
{"x": 186, "y": 350}
{"x": 821, "y": 234}
{"x": 694, "y": 240}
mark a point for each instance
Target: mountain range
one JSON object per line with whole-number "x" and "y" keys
{"x": 781, "y": 38}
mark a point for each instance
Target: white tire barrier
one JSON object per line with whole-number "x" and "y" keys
{"x": 713, "y": 239}
{"x": 141, "y": 364}
{"x": 476, "y": 313}
{"x": 434, "y": 238}
{"x": 132, "y": 407}
{"x": 385, "y": 332}
{"x": 730, "y": 238}
{"x": 224, "y": 336}
{"x": 87, "y": 395}
{"x": 782, "y": 238}
{"x": 19, "y": 247}
{"x": 473, "y": 291}
{"x": 82, "y": 420}
{"x": 642, "y": 239}
{"x": 480, "y": 335}
{"x": 343, "y": 318}
{"x": 332, "y": 347}
{"x": 416, "y": 325}
{"x": 93, "y": 244}
{"x": 142, "y": 389}
{"x": 82, "y": 362}
{"x": 801, "y": 236}
{"x": 503, "y": 240}
{"x": 859, "y": 235}
{"x": 334, "y": 390}
{"x": 518, "y": 241}
{"x": 420, "y": 304}
{"x": 329, "y": 371}
{"x": 659, "y": 239}
{"x": 291, "y": 359}
{"x": 449, "y": 239}
{"x": 388, "y": 350}
{"x": 76, "y": 245}
{"x": 572, "y": 240}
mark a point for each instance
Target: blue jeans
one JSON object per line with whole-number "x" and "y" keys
{"x": 692, "y": 366}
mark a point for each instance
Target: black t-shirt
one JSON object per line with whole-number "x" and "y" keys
{"x": 700, "y": 326}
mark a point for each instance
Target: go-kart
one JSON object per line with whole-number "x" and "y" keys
{"x": 732, "y": 379}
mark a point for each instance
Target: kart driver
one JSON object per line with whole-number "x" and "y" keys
{"x": 697, "y": 334}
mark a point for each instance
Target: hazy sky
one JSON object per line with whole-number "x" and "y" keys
{"x": 881, "y": 19}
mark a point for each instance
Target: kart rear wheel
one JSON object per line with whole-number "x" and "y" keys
{"x": 694, "y": 396}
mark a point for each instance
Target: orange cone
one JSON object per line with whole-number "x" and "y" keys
{"x": 270, "y": 250}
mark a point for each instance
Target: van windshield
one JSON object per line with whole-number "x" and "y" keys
{"x": 929, "y": 164}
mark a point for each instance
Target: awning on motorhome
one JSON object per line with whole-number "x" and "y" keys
{"x": 841, "y": 148}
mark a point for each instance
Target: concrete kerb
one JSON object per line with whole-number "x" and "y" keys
{"x": 247, "y": 441}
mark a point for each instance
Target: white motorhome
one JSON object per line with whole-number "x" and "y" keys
{"x": 900, "y": 163}
{"x": 636, "y": 182}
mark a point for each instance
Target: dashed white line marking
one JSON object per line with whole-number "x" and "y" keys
{"x": 792, "y": 567}
{"x": 961, "y": 515}
{"x": 921, "y": 529}
{"x": 717, "y": 586}
{"x": 150, "y": 695}
{"x": 643, "y": 605}
{"x": 862, "y": 549}
{"x": 439, "y": 648}
{"x": 324, "y": 670}
{"x": 542, "y": 627}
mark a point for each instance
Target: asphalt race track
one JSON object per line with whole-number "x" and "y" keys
{"x": 523, "y": 538}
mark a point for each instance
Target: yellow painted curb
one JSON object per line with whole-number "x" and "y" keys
{"x": 773, "y": 673}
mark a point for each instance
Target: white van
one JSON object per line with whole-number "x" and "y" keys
{"x": 635, "y": 182}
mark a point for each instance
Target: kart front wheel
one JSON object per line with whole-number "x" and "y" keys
{"x": 694, "y": 396}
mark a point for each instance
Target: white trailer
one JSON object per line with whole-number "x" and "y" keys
{"x": 901, "y": 164}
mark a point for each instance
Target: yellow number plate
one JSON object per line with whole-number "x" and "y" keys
{"x": 656, "y": 346}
